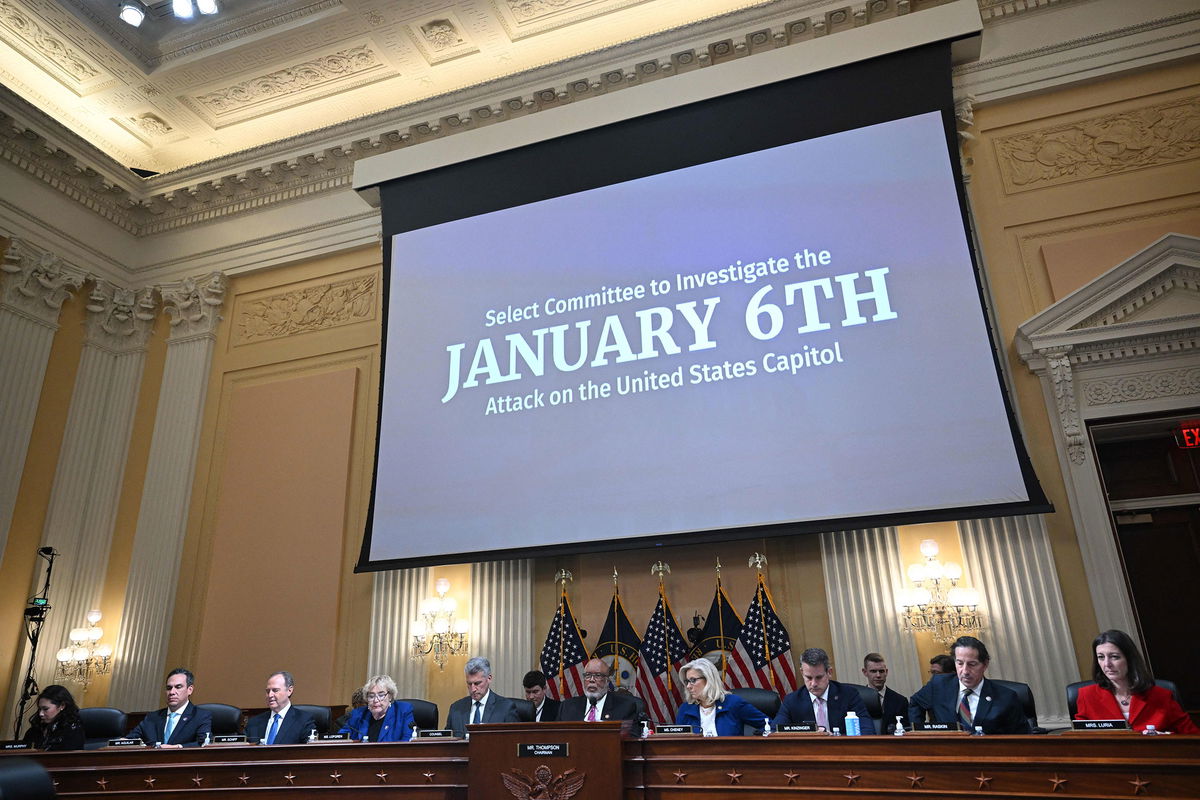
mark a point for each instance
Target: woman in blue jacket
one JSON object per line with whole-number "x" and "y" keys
{"x": 713, "y": 711}
{"x": 383, "y": 718}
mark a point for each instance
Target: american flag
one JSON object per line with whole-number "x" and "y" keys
{"x": 762, "y": 656}
{"x": 563, "y": 654}
{"x": 664, "y": 651}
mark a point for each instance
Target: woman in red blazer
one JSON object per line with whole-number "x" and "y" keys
{"x": 1125, "y": 688}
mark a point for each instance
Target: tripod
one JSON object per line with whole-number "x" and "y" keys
{"x": 35, "y": 617}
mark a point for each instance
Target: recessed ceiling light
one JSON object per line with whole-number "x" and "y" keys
{"x": 132, "y": 12}
{"x": 207, "y": 6}
{"x": 182, "y": 8}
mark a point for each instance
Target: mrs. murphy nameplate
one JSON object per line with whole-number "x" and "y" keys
{"x": 542, "y": 750}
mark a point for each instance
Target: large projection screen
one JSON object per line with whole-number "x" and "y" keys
{"x": 750, "y": 316}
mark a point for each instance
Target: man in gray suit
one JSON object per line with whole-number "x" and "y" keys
{"x": 481, "y": 705}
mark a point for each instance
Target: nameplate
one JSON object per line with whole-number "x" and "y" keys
{"x": 542, "y": 750}
{"x": 15, "y": 746}
{"x": 803, "y": 727}
{"x": 1100, "y": 725}
{"x": 441, "y": 733}
{"x": 334, "y": 737}
{"x": 126, "y": 743}
{"x": 940, "y": 726}
{"x": 228, "y": 738}
{"x": 673, "y": 729}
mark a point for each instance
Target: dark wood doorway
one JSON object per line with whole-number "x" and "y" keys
{"x": 1153, "y": 488}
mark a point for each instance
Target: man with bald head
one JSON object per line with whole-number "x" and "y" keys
{"x": 598, "y": 704}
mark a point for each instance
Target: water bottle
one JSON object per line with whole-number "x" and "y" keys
{"x": 1150, "y": 731}
{"x": 899, "y": 727}
{"x": 837, "y": 731}
{"x": 366, "y": 738}
{"x": 853, "y": 727}
{"x": 312, "y": 735}
{"x": 979, "y": 730}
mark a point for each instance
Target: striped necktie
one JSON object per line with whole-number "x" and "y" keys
{"x": 964, "y": 712}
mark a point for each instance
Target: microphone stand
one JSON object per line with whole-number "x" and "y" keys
{"x": 35, "y": 617}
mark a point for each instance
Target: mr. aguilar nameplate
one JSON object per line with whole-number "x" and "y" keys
{"x": 1100, "y": 725}
{"x": 123, "y": 742}
{"x": 440, "y": 733}
{"x": 542, "y": 750}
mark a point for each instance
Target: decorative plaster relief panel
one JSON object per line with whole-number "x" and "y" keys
{"x": 48, "y": 48}
{"x": 305, "y": 309}
{"x": 522, "y": 18}
{"x": 1111, "y": 144}
{"x": 441, "y": 37}
{"x": 313, "y": 79}
{"x": 1155, "y": 385}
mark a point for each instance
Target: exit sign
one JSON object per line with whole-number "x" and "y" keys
{"x": 1188, "y": 434}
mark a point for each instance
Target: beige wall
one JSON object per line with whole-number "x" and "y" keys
{"x": 282, "y": 481}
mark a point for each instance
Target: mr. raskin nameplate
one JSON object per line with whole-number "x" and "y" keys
{"x": 542, "y": 750}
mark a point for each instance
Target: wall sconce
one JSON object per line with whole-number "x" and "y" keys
{"x": 937, "y": 604}
{"x": 436, "y": 631}
{"x": 84, "y": 658}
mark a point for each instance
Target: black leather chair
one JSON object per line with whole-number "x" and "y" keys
{"x": 320, "y": 715}
{"x": 102, "y": 724}
{"x": 425, "y": 713}
{"x": 227, "y": 719}
{"x": 1025, "y": 696}
{"x": 870, "y": 699}
{"x": 1073, "y": 693}
{"x": 765, "y": 700}
{"x": 526, "y": 710}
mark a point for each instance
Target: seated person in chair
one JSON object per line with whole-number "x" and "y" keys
{"x": 891, "y": 704}
{"x": 56, "y": 724}
{"x": 597, "y": 703}
{"x": 966, "y": 699}
{"x": 280, "y": 723}
{"x": 822, "y": 700}
{"x": 710, "y": 709}
{"x": 383, "y": 718}
{"x": 1125, "y": 688}
{"x": 181, "y": 723}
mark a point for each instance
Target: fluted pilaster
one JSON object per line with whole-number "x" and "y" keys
{"x": 91, "y": 462}
{"x": 501, "y": 608}
{"x": 394, "y": 605}
{"x": 141, "y": 649}
{"x": 33, "y": 286}
{"x": 1010, "y": 561}
{"x": 863, "y": 576}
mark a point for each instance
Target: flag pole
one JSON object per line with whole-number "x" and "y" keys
{"x": 660, "y": 568}
{"x": 758, "y": 561}
{"x": 562, "y": 576}
{"x": 720, "y": 620}
{"x": 616, "y": 627}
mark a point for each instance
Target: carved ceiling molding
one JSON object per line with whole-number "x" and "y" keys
{"x": 1109, "y": 144}
{"x": 993, "y": 10}
{"x": 48, "y": 47}
{"x": 43, "y": 154}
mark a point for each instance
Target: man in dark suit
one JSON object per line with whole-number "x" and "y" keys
{"x": 597, "y": 703}
{"x": 966, "y": 698}
{"x": 180, "y": 724}
{"x": 822, "y": 700}
{"x": 281, "y": 723}
{"x": 892, "y": 705}
{"x": 545, "y": 709}
{"x": 481, "y": 705}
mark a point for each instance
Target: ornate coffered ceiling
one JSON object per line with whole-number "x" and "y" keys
{"x": 172, "y": 94}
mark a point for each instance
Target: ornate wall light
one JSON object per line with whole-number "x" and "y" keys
{"x": 936, "y": 603}
{"x": 436, "y": 631}
{"x": 85, "y": 657}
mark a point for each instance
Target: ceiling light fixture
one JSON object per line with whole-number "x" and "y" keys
{"x": 207, "y": 6}
{"x": 132, "y": 12}
{"x": 182, "y": 8}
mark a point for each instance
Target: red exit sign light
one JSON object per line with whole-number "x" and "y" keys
{"x": 1188, "y": 434}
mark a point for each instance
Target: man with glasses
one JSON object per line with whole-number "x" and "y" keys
{"x": 598, "y": 703}
{"x": 481, "y": 705}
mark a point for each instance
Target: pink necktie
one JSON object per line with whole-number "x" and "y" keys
{"x": 822, "y": 715}
{"x": 591, "y": 715}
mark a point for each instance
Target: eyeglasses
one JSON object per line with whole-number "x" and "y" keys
{"x": 690, "y": 681}
{"x": 377, "y": 696}
{"x": 595, "y": 676}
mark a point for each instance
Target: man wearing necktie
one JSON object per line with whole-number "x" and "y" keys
{"x": 598, "y": 704}
{"x": 180, "y": 724}
{"x": 966, "y": 699}
{"x": 822, "y": 700}
{"x": 281, "y": 723}
{"x": 481, "y": 705}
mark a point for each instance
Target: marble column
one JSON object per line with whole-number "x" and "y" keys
{"x": 91, "y": 462}
{"x": 140, "y": 659}
{"x": 1010, "y": 561}
{"x": 863, "y": 576}
{"x": 394, "y": 605}
{"x": 501, "y": 613}
{"x": 33, "y": 286}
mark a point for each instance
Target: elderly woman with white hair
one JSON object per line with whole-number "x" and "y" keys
{"x": 711, "y": 710}
{"x": 383, "y": 718}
